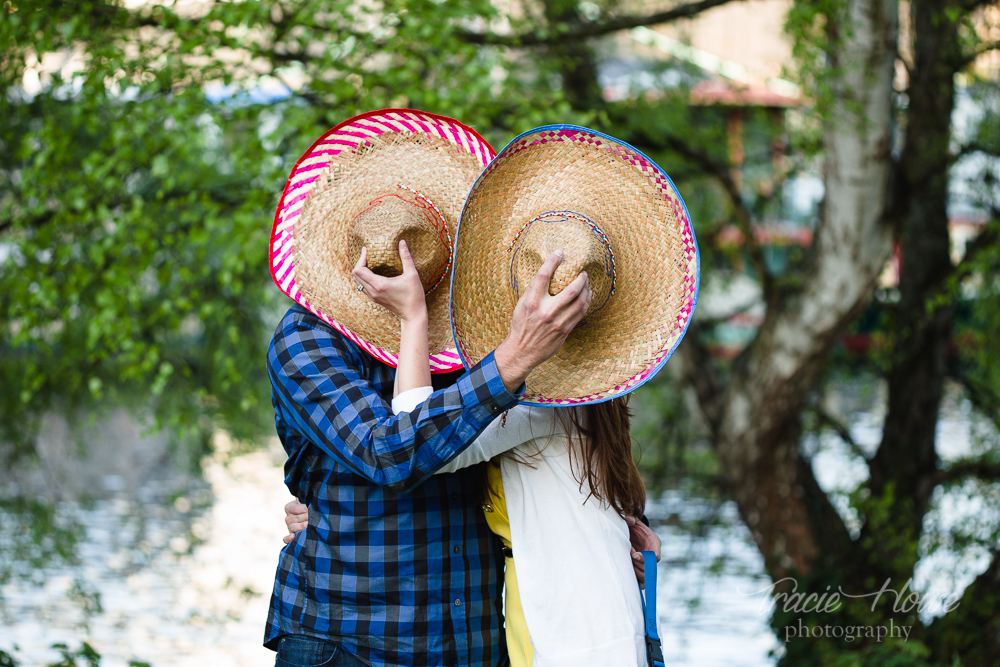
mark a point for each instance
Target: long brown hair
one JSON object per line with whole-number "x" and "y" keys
{"x": 605, "y": 459}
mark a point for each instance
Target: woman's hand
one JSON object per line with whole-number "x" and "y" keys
{"x": 642, "y": 538}
{"x": 296, "y": 518}
{"x": 402, "y": 295}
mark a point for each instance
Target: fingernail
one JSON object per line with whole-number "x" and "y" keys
{"x": 585, "y": 276}
{"x": 558, "y": 252}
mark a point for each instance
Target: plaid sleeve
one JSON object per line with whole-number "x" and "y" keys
{"x": 332, "y": 404}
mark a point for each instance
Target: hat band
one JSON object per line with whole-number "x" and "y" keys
{"x": 561, "y": 216}
{"x": 442, "y": 230}
{"x": 434, "y": 216}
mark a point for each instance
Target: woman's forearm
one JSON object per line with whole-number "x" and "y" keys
{"x": 412, "y": 368}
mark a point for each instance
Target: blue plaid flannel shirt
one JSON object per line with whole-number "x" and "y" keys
{"x": 397, "y": 564}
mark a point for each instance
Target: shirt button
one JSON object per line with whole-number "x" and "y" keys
{"x": 457, "y": 549}
{"x": 458, "y": 603}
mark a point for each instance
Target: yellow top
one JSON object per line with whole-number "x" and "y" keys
{"x": 518, "y": 642}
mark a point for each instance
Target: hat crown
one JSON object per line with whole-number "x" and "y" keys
{"x": 584, "y": 246}
{"x": 637, "y": 210}
{"x": 405, "y": 215}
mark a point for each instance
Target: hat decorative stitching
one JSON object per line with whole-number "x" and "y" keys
{"x": 443, "y": 231}
{"x": 433, "y": 216}
{"x": 575, "y": 216}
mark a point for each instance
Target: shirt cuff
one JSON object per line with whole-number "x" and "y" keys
{"x": 410, "y": 399}
{"x": 483, "y": 392}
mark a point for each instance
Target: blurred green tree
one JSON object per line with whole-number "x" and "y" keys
{"x": 142, "y": 154}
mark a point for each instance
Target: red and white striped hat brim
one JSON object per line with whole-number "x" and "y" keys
{"x": 346, "y": 137}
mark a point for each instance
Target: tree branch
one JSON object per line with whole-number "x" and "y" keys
{"x": 35, "y": 222}
{"x": 969, "y": 149}
{"x": 982, "y": 397}
{"x": 980, "y": 468}
{"x": 977, "y": 245}
{"x": 984, "y": 48}
{"x": 596, "y": 29}
{"x": 740, "y": 211}
{"x": 841, "y": 430}
{"x": 971, "y": 5}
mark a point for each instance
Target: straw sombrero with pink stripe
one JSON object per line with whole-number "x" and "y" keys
{"x": 616, "y": 215}
{"x": 369, "y": 182}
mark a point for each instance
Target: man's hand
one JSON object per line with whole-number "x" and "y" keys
{"x": 402, "y": 295}
{"x": 541, "y": 323}
{"x": 642, "y": 538}
{"x": 296, "y": 518}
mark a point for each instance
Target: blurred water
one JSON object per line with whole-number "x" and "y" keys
{"x": 193, "y": 591}
{"x": 187, "y": 582}
{"x": 710, "y": 588}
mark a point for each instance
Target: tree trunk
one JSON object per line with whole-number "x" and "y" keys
{"x": 906, "y": 460}
{"x": 791, "y": 519}
{"x": 573, "y": 57}
{"x": 904, "y": 469}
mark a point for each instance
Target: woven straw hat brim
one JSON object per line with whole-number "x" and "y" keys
{"x": 566, "y": 167}
{"x": 351, "y": 165}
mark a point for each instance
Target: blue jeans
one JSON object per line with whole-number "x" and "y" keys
{"x": 305, "y": 651}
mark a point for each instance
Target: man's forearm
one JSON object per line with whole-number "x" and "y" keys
{"x": 325, "y": 398}
{"x": 511, "y": 365}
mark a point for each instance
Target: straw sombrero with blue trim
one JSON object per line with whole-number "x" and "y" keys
{"x": 615, "y": 214}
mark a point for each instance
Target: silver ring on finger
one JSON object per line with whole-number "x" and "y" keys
{"x": 359, "y": 288}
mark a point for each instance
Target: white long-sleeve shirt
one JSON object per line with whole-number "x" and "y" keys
{"x": 578, "y": 591}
